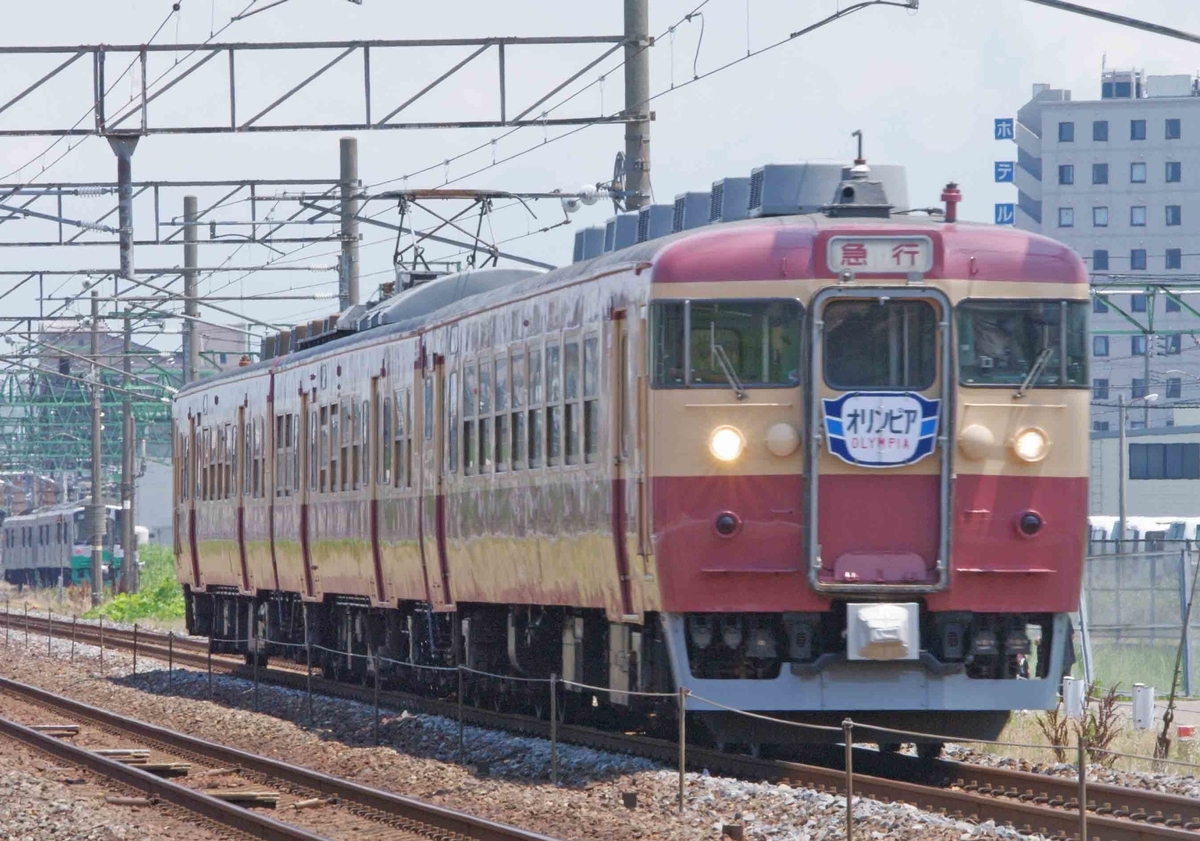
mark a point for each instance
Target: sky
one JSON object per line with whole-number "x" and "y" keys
{"x": 923, "y": 86}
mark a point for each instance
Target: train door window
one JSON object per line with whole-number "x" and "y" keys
{"x": 500, "y": 450}
{"x": 554, "y": 415}
{"x": 537, "y": 396}
{"x": 408, "y": 438}
{"x": 591, "y": 398}
{"x": 518, "y": 411}
{"x": 218, "y": 484}
{"x": 386, "y": 447}
{"x": 485, "y": 410}
{"x": 427, "y": 404}
{"x": 356, "y": 443}
{"x": 364, "y": 427}
{"x": 880, "y": 343}
{"x": 335, "y": 445}
{"x": 468, "y": 422}
{"x": 452, "y": 423}
{"x": 571, "y": 406}
{"x": 346, "y": 416}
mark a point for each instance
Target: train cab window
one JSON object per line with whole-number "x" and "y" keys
{"x": 346, "y": 416}
{"x": 536, "y": 395}
{"x": 554, "y": 427}
{"x": 427, "y": 404}
{"x": 356, "y": 445}
{"x": 572, "y": 406}
{"x": 451, "y": 418}
{"x": 248, "y": 463}
{"x": 1006, "y": 342}
{"x": 396, "y": 446}
{"x": 314, "y": 465}
{"x": 407, "y": 416}
{"x": 334, "y": 443}
{"x": 500, "y": 450}
{"x": 880, "y": 343}
{"x": 518, "y": 411}
{"x": 468, "y": 419}
{"x": 233, "y": 453}
{"x": 718, "y": 344}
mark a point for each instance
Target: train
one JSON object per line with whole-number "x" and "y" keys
{"x": 1142, "y": 534}
{"x": 54, "y": 543}
{"x": 812, "y": 463}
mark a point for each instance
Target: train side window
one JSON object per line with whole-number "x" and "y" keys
{"x": 248, "y": 457}
{"x": 364, "y": 427}
{"x": 536, "y": 438}
{"x": 880, "y": 343}
{"x": 356, "y": 443}
{"x": 468, "y": 410}
{"x": 518, "y": 411}
{"x": 386, "y": 446}
{"x": 500, "y": 450}
{"x": 571, "y": 407}
{"x": 280, "y": 461}
{"x": 1001, "y": 341}
{"x": 452, "y": 423}
{"x": 554, "y": 393}
{"x": 591, "y": 398}
{"x": 314, "y": 465}
{"x": 334, "y": 446}
{"x": 294, "y": 439}
{"x": 485, "y": 410}
{"x": 346, "y": 416}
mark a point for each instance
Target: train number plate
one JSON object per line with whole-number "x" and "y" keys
{"x": 880, "y": 255}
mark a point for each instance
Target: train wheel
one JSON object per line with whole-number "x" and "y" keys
{"x": 930, "y": 750}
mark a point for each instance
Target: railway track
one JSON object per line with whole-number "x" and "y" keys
{"x": 1024, "y": 800}
{"x": 350, "y": 807}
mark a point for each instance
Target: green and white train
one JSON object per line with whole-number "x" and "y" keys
{"x": 38, "y": 548}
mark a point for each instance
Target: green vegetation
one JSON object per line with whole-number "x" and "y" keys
{"x": 160, "y": 599}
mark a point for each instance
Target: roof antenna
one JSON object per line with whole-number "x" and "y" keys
{"x": 860, "y": 160}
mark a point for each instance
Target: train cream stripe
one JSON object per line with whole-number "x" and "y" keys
{"x": 955, "y": 289}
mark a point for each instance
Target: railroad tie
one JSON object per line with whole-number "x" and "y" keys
{"x": 267, "y": 799}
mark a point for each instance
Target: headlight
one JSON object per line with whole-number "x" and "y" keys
{"x": 726, "y": 443}
{"x": 1030, "y": 444}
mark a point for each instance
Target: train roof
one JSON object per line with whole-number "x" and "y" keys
{"x": 772, "y": 247}
{"x": 61, "y": 508}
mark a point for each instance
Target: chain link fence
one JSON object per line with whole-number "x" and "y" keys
{"x": 1131, "y": 622}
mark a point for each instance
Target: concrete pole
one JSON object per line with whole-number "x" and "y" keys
{"x": 128, "y": 469}
{"x": 191, "y": 350}
{"x": 1122, "y": 474}
{"x": 97, "y": 468}
{"x": 637, "y": 94}
{"x": 1150, "y": 339}
{"x": 348, "y": 275}
{"x": 123, "y": 146}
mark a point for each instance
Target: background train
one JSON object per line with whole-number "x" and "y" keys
{"x": 808, "y": 464}
{"x": 54, "y": 541}
{"x": 1142, "y": 534}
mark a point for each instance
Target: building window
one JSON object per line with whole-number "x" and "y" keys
{"x": 1174, "y": 172}
{"x": 1100, "y": 130}
{"x": 1137, "y": 424}
{"x": 1137, "y": 347}
{"x": 1137, "y": 259}
{"x": 1100, "y": 389}
{"x": 1099, "y": 345}
{"x": 1164, "y": 461}
{"x": 1174, "y": 129}
{"x": 1099, "y": 426}
{"x": 1066, "y": 174}
{"x": 1170, "y": 344}
{"x": 1137, "y": 172}
{"x": 1100, "y": 217}
{"x": 1137, "y": 302}
{"x": 1137, "y": 129}
{"x": 1066, "y": 132}
{"x": 1137, "y": 216}
{"x": 1174, "y": 215}
{"x": 1098, "y": 305}
{"x": 1100, "y": 260}
{"x": 1066, "y": 217}
{"x": 1174, "y": 388}
{"x": 1138, "y": 389}
{"x": 1172, "y": 304}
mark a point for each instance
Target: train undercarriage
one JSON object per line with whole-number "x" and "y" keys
{"x": 794, "y": 672}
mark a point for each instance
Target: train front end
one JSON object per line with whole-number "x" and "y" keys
{"x": 868, "y": 469}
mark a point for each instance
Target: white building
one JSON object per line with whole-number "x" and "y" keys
{"x": 1162, "y": 469}
{"x": 1118, "y": 179}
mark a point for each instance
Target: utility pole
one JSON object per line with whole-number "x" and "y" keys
{"x": 1150, "y": 340}
{"x": 348, "y": 268}
{"x": 191, "y": 310}
{"x": 637, "y": 96}
{"x": 123, "y": 145}
{"x": 97, "y": 507}
{"x": 128, "y": 468}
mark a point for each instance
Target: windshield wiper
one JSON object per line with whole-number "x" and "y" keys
{"x": 1035, "y": 371}
{"x": 722, "y": 358}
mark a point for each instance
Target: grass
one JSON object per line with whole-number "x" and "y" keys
{"x": 1134, "y": 662}
{"x": 160, "y": 598}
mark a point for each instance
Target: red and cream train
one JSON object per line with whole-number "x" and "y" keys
{"x": 811, "y": 465}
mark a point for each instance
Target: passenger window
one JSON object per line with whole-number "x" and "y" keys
{"x": 591, "y": 393}
{"x": 880, "y": 343}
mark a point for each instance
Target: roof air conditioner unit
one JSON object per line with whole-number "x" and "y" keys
{"x": 654, "y": 221}
{"x": 691, "y": 211}
{"x": 620, "y": 232}
{"x": 593, "y": 242}
{"x": 730, "y": 200}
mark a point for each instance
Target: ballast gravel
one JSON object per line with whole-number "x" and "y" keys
{"x": 418, "y": 758}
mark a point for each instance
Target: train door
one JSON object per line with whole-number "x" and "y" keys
{"x": 309, "y": 466}
{"x": 194, "y": 490}
{"x": 370, "y": 462}
{"x": 619, "y": 438}
{"x": 241, "y": 465}
{"x": 432, "y": 514}
{"x": 878, "y": 479}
